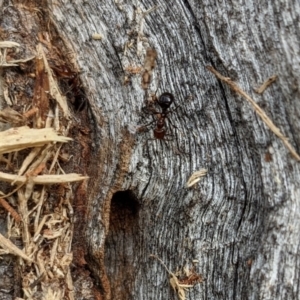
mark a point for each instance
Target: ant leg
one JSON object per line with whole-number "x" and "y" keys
{"x": 143, "y": 127}
{"x": 181, "y": 151}
{"x": 146, "y": 142}
{"x": 171, "y": 123}
{"x": 149, "y": 111}
{"x": 146, "y": 110}
{"x": 169, "y": 140}
{"x": 171, "y": 111}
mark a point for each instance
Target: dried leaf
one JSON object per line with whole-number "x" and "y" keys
{"x": 177, "y": 285}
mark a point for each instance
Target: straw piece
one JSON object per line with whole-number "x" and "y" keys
{"x": 9, "y": 44}
{"x": 15, "y": 139}
{"x": 195, "y": 177}
{"x": 23, "y": 60}
{"x": 54, "y": 89}
{"x": 42, "y": 179}
{"x": 6, "y": 244}
{"x": 8, "y": 115}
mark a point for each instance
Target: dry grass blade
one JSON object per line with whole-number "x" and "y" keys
{"x": 20, "y": 138}
{"x": 9, "y": 246}
{"x": 38, "y": 154}
{"x": 257, "y": 109}
{"x": 12, "y": 63}
{"x": 54, "y": 179}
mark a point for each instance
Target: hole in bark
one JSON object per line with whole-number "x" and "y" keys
{"x": 124, "y": 209}
{"x": 122, "y": 244}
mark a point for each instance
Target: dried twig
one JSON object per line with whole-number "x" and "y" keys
{"x": 10, "y": 209}
{"x": 28, "y": 114}
{"x": 37, "y": 170}
{"x": 258, "y": 110}
{"x": 269, "y": 81}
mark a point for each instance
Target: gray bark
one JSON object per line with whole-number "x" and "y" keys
{"x": 241, "y": 221}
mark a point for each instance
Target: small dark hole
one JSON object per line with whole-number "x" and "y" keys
{"x": 121, "y": 244}
{"x": 124, "y": 203}
{"x": 79, "y": 100}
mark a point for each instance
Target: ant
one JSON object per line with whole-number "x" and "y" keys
{"x": 165, "y": 100}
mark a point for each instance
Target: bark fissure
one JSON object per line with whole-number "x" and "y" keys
{"x": 238, "y": 149}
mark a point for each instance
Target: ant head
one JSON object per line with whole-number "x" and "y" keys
{"x": 165, "y": 100}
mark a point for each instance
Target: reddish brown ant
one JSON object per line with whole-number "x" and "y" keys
{"x": 165, "y": 100}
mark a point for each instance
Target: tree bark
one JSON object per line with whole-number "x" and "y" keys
{"x": 239, "y": 226}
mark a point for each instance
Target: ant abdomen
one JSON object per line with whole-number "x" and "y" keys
{"x": 160, "y": 130}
